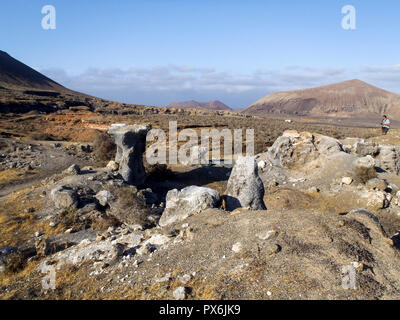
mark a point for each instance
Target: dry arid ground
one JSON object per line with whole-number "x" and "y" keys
{"x": 302, "y": 258}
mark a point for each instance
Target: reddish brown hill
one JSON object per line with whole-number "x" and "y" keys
{"x": 352, "y": 98}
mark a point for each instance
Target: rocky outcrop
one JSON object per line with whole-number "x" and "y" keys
{"x": 245, "y": 188}
{"x": 293, "y": 149}
{"x": 131, "y": 143}
{"x": 388, "y": 159}
{"x": 366, "y": 148}
{"x": 64, "y": 197}
{"x": 188, "y": 201}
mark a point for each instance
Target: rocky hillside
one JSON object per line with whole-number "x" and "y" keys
{"x": 311, "y": 218}
{"x": 14, "y": 74}
{"x": 23, "y": 89}
{"x": 212, "y": 105}
{"x": 352, "y": 98}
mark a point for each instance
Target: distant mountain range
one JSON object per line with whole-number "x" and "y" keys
{"x": 352, "y": 98}
{"x": 23, "y": 89}
{"x": 212, "y": 105}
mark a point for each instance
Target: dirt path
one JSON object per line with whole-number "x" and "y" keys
{"x": 52, "y": 160}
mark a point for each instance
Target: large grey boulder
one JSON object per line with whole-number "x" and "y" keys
{"x": 293, "y": 150}
{"x": 64, "y": 197}
{"x": 360, "y": 147}
{"x": 245, "y": 188}
{"x": 104, "y": 197}
{"x": 388, "y": 159}
{"x": 131, "y": 143}
{"x": 188, "y": 201}
{"x": 364, "y": 148}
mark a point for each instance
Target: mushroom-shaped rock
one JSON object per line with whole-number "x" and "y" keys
{"x": 245, "y": 188}
{"x": 131, "y": 143}
{"x": 188, "y": 201}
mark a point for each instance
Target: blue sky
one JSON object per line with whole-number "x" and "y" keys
{"x": 158, "y": 51}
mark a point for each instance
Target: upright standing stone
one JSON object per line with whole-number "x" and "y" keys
{"x": 245, "y": 188}
{"x": 131, "y": 144}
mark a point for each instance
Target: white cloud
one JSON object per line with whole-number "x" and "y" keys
{"x": 160, "y": 85}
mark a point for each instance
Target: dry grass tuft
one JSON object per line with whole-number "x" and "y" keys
{"x": 104, "y": 148}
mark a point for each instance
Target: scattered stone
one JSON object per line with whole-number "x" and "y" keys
{"x": 166, "y": 278}
{"x": 113, "y": 166}
{"x": 271, "y": 249}
{"x": 188, "y": 201}
{"x": 180, "y": 293}
{"x": 158, "y": 240}
{"x": 73, "y": 170}
{"x": 376, "y": 200}
{"x": 262, "y": 164}
{"x": 185, "y": 278}
{"x": 237, "y": 247}
{"x": 245, "y": 188}
{"x": 266, "y": 235}
{"x": 359, "y": 266}
{"x": 104, "y": 197}
{"x": 377, "y": 184}
{"x": 347, "y": 181}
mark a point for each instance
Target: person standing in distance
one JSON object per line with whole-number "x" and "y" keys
{"x": 385, "y": 125}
